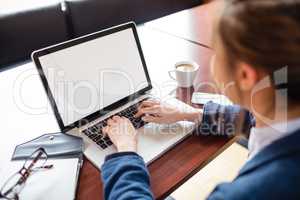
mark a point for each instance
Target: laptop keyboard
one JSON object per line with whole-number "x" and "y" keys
{"x": 95, "y": 132}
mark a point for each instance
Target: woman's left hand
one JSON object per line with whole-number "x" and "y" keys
{"x": 122, "y": 133}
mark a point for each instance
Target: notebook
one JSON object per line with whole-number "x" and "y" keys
{"x": 203, "y": 98}
{"x": 60, "y": 182}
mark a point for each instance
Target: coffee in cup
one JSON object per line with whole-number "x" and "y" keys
{"x": 185, "y": 67}
{"x": 185, "y": 73}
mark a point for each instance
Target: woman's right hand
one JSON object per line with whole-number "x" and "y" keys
{"x": 157, "y": 112}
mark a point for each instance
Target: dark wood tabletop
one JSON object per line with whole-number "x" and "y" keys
{"x": 162, "y": 50}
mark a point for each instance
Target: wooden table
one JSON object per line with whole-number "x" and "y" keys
{"x": 162, "y": 50}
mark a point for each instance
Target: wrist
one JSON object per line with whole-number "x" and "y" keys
{"x": 127, "y": 147}
{"x": 194, "y": 116}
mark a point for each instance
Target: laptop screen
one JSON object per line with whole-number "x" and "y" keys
{"x": 87, "y": 77}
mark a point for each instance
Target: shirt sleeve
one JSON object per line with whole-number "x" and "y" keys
{"x": 125, "y": 177}
{"x": 225, "y": 120}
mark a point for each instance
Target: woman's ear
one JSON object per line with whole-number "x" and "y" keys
{"x": 246, "y": 76}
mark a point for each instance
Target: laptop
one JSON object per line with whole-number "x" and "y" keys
{"x": 94, "y": 77}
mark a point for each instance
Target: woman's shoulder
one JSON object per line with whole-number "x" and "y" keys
{"x": 272, "y": 174}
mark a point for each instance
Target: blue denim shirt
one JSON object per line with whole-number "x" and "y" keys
{"x": 272, "y": 174}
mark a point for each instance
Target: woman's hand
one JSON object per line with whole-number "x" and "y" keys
{"x": 122, "y": 133}
{"x": 154, "y": 111}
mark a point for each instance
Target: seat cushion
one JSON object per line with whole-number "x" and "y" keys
{"x": 25, "y": 28}
{"x": 93, "y": 15}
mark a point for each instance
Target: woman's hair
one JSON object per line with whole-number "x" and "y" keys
{"x": 264, "y": 34}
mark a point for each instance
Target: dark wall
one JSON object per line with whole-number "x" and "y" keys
{"x": 43, "y": 23}
{"x": 93, "y": 15}
{"x": 22, "y": 31}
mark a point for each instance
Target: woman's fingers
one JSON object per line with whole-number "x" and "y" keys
{"x": 150, "y": 118}
{"x": 139, "y": 113}
{"x": 110, "y": 122}
{"x": 153, "y": 110}
{"x": 105, "y": 130}
{"x": 146, "y": 104}
{"x": 116, "y": 118}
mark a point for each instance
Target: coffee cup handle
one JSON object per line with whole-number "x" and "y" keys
{"x": 171, "y": 75}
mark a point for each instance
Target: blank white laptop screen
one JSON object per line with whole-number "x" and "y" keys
{"x": 90, "y": 76}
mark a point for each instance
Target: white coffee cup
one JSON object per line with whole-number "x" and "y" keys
{"x": 185, "y": 73}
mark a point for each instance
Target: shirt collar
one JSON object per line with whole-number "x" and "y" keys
{"x": 261, "y": 137}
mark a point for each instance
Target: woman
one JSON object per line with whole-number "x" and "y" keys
{"x": 257, "y": 53}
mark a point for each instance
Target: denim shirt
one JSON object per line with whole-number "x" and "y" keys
{"x": 272, "y": 174}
